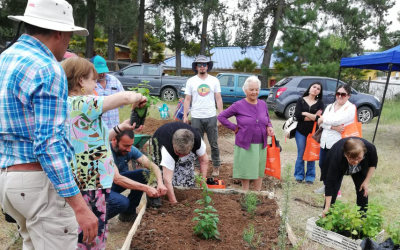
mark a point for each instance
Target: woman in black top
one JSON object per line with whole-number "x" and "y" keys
{"x": 308, "y": 110}
{"x": 352, "y": 156}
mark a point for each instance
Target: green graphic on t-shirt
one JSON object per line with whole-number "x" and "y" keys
{"x": 203, "y": 90}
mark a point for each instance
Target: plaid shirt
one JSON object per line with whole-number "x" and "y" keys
{"x": 33, "y": 112}
{"x": 111, "y": 117}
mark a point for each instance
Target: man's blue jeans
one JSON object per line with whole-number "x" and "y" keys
{"x": 119, "y": 203}
{"x": 299, "y": 166}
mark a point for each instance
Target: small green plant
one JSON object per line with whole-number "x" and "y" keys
{"x": 249, "y": 201}
{"x": 207, "y": 219}
{"x": 250, "y": 236}
{"x": 144, "y": 89}
{"x": 347, "y": 219}
{"x": 393, "y": 231}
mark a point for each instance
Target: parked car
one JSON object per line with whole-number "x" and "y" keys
{"x": 283, "y": 96}
{"x": 232, "y": 87}
{"x": 162, "y": 85}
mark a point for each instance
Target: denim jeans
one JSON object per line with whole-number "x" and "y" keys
{"x": 210, "y": 127}
{"x": 119, "y": 203}
{"x": 323, "y": 152}
{"x": 299, "y": 166}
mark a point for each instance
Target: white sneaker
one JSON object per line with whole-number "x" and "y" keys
{"x": 215, "y": 172}
{"x": 320, "y": 190}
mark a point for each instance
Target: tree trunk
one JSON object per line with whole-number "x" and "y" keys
{"x": 178, "y": 41}
{"x": 270, "y": 42}
{"x": 139, "y": 57}
{"x": 90, "y": 23}
{"x": 203, "y": 39}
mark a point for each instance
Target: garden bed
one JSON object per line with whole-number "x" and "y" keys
{"x": 171, "y": 226}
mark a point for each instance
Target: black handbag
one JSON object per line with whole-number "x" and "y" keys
{"x": 317, "y": 135}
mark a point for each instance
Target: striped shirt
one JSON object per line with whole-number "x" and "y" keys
{"x": 33, "y": 112}
{"x": 111, "y": 117}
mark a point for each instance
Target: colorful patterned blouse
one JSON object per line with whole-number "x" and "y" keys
{"x": 93, "y": 165}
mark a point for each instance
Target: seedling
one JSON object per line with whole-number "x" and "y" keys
{"x": 251, "y": 237}
{"x": 207, "y": 219}
{"x": 138, "y": 115}
{"x": 393, "y": 231}
{"x": 250, "y": 203}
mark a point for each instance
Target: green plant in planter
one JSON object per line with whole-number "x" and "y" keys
{"x": 249, "y": 201}
{"x": 138, "y": 115}
{"x": 393, "y": 231}
{"x": 347, "y": 219}
{"x": 207, "y": 219}
{"x": 251, "y": 237}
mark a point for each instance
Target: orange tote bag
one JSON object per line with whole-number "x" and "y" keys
{"x": 353, "y": 129}
{"x": 311, "y": 153}
{"x": 273, "y": 165}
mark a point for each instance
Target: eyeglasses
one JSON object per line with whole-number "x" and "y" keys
{"x": 341, "y": 94}
{"x": 202, "y": 64}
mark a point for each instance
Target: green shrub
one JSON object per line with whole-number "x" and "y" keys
{"x": 250, "y": 236}
{"x": 249, "y": 201}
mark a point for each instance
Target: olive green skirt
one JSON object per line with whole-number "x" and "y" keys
{"x": 249, "y": 164}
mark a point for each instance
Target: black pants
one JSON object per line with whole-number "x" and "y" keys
{"x": 358, "y": 179}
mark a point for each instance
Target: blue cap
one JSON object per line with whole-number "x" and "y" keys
{"x": 100, "y": 64}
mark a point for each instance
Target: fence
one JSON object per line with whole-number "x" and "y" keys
{"x": 376, "y": 87}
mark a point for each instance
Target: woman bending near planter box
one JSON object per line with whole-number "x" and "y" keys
{"x": 308, "y": 110}
{"x": 349, "y": 156}
{"x": 252, "y": 129}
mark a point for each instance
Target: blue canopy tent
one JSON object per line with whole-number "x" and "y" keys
{"x": 388, "y": 61}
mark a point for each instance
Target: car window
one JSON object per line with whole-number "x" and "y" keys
{"x": 134, "y": 70}
{"x": 331, "y": 85}
{"x": 283, "y": 82}
{"x": 305, "y": 83}
{"x": 150, "y": 70}
{"x": 227, "y": 81}
{"x": 241, "y": 80}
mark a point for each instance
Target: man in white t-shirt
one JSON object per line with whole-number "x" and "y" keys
{"x": 204, "y": 90}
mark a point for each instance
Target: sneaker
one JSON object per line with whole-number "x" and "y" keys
{"x": 124, "y": 217}
{"x": 339, "y": 194}
{"x": 215, "y": 172}
{"x": 309, "y": 182}
{"x": 320, "y": 190}
{"x": 299, "y": 181}
{"x": 153, "y": 202}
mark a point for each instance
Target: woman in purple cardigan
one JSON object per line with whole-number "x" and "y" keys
{"x": 252, "y": 129}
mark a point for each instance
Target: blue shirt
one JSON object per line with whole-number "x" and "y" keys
{"x": 121, "y": 161}
{"x": 33, "y": 112}
{"x": 113, "y": 86}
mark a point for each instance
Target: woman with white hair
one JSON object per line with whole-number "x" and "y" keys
{"x": 252, "y": 129}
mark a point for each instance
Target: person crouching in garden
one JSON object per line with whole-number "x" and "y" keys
{"x": 252, "y": 130}
{"x": 349, "y": 156}
{"x": 308, "y": 110}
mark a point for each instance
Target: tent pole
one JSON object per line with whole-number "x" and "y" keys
{"x": 337, "y": 83}
{"x": 383, "y": 100}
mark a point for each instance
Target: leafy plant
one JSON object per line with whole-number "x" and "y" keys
{"x": 345, "y": 218}
{"x": 250, "y": 236}
{"x": 143, "y": 88}
{"x": 393, "y": 231}
{"x": 207, "y": 219}
{"x": 250, "y": 203}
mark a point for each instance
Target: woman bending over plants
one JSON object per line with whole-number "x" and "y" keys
{"x": 349, "y": 156}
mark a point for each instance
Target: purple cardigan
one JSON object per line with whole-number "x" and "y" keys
{"x": 246, "y": 118}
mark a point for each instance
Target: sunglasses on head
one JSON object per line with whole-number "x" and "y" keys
{"x": 201, "y": 64}
{"x": 341, "y": 94}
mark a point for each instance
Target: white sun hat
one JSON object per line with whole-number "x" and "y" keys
{"x": 50, "y": 14}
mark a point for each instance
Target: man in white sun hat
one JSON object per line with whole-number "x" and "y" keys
{"x": 37, "y": 188}
{"x": 204, "y": 90}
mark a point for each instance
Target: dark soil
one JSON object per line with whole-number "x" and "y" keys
{"x": 151, "y": 125}
{"x": 171, "y": 226}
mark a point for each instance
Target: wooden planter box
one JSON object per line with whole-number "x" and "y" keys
{"x": 334, "y": 240}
